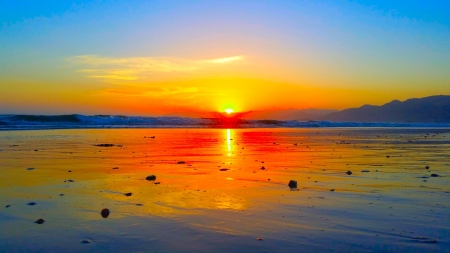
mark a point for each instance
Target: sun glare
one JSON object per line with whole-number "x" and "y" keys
{"x": 229, "y": 111}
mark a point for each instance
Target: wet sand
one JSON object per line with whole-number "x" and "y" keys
{"x": 212, "y": 194}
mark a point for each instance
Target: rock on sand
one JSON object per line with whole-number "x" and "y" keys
{"x": 292, "y": 184}
{"x": 105, "y": 213}
{"x": 151, "y": 178}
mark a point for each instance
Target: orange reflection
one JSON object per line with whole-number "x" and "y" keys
{"x": 215, "y": 174}
{"x": 229, "y": 141}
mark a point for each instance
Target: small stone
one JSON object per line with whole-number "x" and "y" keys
{"x": 31, "y": 203}
{"x": 181, "y": 162}
{"x": 40, "y": 221}
{"x": 115, "y": 168}
{"x": 151, "y": 178}
{"x": 86, "y": 241}
{"x": 365, "y": 170}
{"x": 292, "y": 184}
{"x": 224, "y": 169}
{"x": 7, "y": 206}
{"x": 263, "y": 168}
{"x": 104, "y": 145}
{"x": 434, "y": 175}
{"x": 348, "y": 172}
{"x": 427, "y": 167}
{"x": 387, "y": 156}
{"x": 259, "y": 239}
{"x": 157, "y": 182}
{"x": 70, "y": 180}
{"x": 139, "y": 204}
{"x": 128, "y": 194}
{"x": 332, "y": 190}
{"x": 70, "y": 171}
{"x": 30, "y": 169}
{"x": 105, "y": 213}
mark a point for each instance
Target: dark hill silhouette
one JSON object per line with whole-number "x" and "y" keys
{"x": 434, "y": 109}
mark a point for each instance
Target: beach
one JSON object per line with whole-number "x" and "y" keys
{"x": 225, "y": 190}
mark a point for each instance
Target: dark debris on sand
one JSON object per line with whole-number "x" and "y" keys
{"x": 128, "y": 194}
{"x": 31, "y": 203}
{"x": 292, "y": 184}
{"x": 40, "y": 221}
{"x": 105, "y": 213}
{"x": 106, "y": 145}
{"x": 348, "y": 172}
{"x": 86, "y": 241}
{"x": 151, "y": 178}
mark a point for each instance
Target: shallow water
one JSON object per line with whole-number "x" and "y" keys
{"x": 395, "y": 207}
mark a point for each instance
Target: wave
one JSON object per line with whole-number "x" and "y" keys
{"x": 31, "y": 122}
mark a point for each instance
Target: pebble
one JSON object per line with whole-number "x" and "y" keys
{"x": 31, "y": 203}
{"x": 151, "y": 178}
{"x": 181, "y": 162}
{"x": 365, "y": 170}
{"x": 30, "y": 169}
{"x": 434, "y": 175}
{"x": 427, "y": 167}
{"x": 40, "y": 221}
{"x": 263, "y": 168}
{"x": 86, "y": 241}
{"x": 104, "y": 145}
{"x": 7, "y": 206}
{"x": 348, "y": 172}
{"x": 115, "y": 168}
{"x": 332, "y": 190}
{"x": 128, "y": 194}
{"x": 224, "y": 169}
{"x": 105, "y": 213}
{"x": 292, "y": 184}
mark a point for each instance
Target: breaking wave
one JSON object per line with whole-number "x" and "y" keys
{"x": 31, "y": 122}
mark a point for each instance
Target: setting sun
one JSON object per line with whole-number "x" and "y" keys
{"x": 229, "y": 110}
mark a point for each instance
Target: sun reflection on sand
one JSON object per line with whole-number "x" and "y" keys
{"x": 229, "y": 141}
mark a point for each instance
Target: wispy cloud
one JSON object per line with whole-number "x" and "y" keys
{"x": 135, "y": 67}
{"x": 151, "y": 91}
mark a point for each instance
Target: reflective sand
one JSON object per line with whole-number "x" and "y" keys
{"x": 201, "y": 207}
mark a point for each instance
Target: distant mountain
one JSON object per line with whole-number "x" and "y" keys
{"x": 289, "y": 114}
{"x": 434, "y": 109}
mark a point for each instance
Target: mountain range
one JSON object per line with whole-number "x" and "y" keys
{"x": 433, "y": 109}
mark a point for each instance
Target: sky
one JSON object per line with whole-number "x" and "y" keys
{"x": 189, "y": 58}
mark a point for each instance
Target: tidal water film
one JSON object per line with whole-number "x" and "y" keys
{"x": 225, "y": 190}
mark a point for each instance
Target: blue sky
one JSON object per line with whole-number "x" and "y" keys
{"x": 393, "y": 49}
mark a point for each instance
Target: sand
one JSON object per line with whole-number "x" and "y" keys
{"x": 211, "y": 195}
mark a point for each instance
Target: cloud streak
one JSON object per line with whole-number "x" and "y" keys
{"x": 151, "y": 91}
{"x": 134, "y": 68}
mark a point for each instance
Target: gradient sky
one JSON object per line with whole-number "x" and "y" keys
{"x": 190, "y": 57}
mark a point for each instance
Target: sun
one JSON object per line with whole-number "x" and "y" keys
{"x": 229, "y": 110}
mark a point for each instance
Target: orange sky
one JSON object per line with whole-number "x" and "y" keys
{"x": 192, "y": 59}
